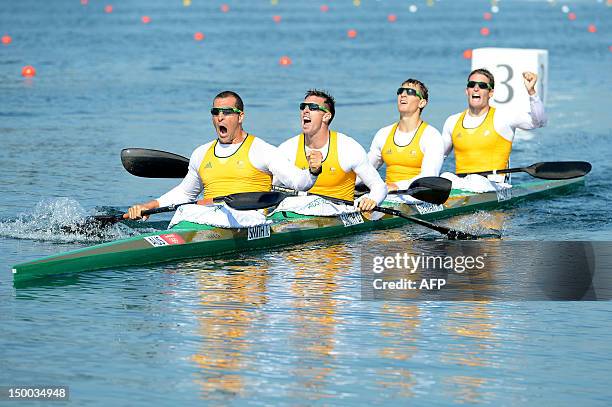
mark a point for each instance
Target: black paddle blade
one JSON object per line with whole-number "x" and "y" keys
{"x": 144, "y": 162}
{"x": 431, "y": 189}
{"x": 105, "y": 220}
{"x": 245, "y": 201}
{"x": 559, "y": 169}
{"x": 434, "y": 190}
{"x": 92, "y": 225}
{"x": 439, "y": 183}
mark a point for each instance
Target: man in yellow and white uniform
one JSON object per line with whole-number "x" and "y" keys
{"x": 482, "y": 135}
{"x": 343, "y": 158}
{"x": 235, "y": 162}
{"x": 410, "y": 147}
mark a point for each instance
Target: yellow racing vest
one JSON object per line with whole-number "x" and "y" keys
{"x": 229, "y": 175}
{"x": 403, "y": 162}
{"x": 332, "y": 181}
{"x": 481, "y": 148}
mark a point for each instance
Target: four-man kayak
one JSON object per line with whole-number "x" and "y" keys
{"x": 191, "y": 240}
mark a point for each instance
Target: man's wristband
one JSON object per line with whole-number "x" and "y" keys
{"x": 316, "y": 173}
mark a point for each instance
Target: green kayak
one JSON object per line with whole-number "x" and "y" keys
{"x": 190, "y": 240}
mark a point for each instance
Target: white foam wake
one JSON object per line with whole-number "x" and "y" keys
{"x": 55, "y": 220}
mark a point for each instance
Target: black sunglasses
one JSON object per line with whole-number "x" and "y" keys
{"x": 225, "y": 110}
{"x": 410, "y": 92}
{"x": 481, "y": 85}
{"x": 313, "y": 106}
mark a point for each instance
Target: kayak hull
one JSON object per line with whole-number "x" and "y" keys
{"x": 189, "y": 240}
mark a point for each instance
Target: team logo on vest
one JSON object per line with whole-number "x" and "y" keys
{"x": 240, "y": 164}
{"x": 413, "y": 152}
{"x": 208, "y": 165}
{"x": 332, "y": 169}
{"x": 389, "y": 151}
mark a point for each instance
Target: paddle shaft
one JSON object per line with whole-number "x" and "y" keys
{"x": 149, "y": 163}
{"x": 266, "y": 199}
{"x": 162, "y": 209}
{"x": 91, "y": 224}
{"x": 450, "y": 233}
{"x": 409, "y": 191}
{"x": 495, "y": 172}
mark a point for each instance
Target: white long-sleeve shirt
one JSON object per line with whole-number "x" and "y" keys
{"x": 263, "y": 156}
{"x": 351, "y": 157}
{"x": 505, "y": 121}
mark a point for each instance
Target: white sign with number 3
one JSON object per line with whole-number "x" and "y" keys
{"x": 507, "y": 66}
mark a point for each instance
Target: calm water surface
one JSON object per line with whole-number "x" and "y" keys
{"x": 284, "y": 326}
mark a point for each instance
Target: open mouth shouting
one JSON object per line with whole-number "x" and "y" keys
{"x": 225, "y": 131}
{"x": 476, "y": 97}
{"x": 306, "y": 120}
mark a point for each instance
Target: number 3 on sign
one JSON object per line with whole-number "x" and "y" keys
{"x": 507, "y": 66}
{"x": 504, "y": 82}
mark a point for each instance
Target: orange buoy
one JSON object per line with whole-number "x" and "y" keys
{"x": 28, "y": 71}
{"x": 571, "y": 16}
{"x": 592, "y": 28}
{"x": 285, "y": 61}
{"x": 392, "y": 18}
{"x": 277, "y": 19}
{"x": 6, "y": 39}
{"x": 487, "y": 16}
{"x": 108, "y": 9}
{"x": 484, "y": 31}
{"x": 351, "y": 33}
{"x": 145, "y": 19}
{"x": 198, "y": 36}
{"x": 84, "y": 2}
{"x": 467, "y": 54}
{"x": 325, "y": 8}
{"x": 224, "y": 8}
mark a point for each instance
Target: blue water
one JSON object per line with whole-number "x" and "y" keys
{"x": 284, "y": 326}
